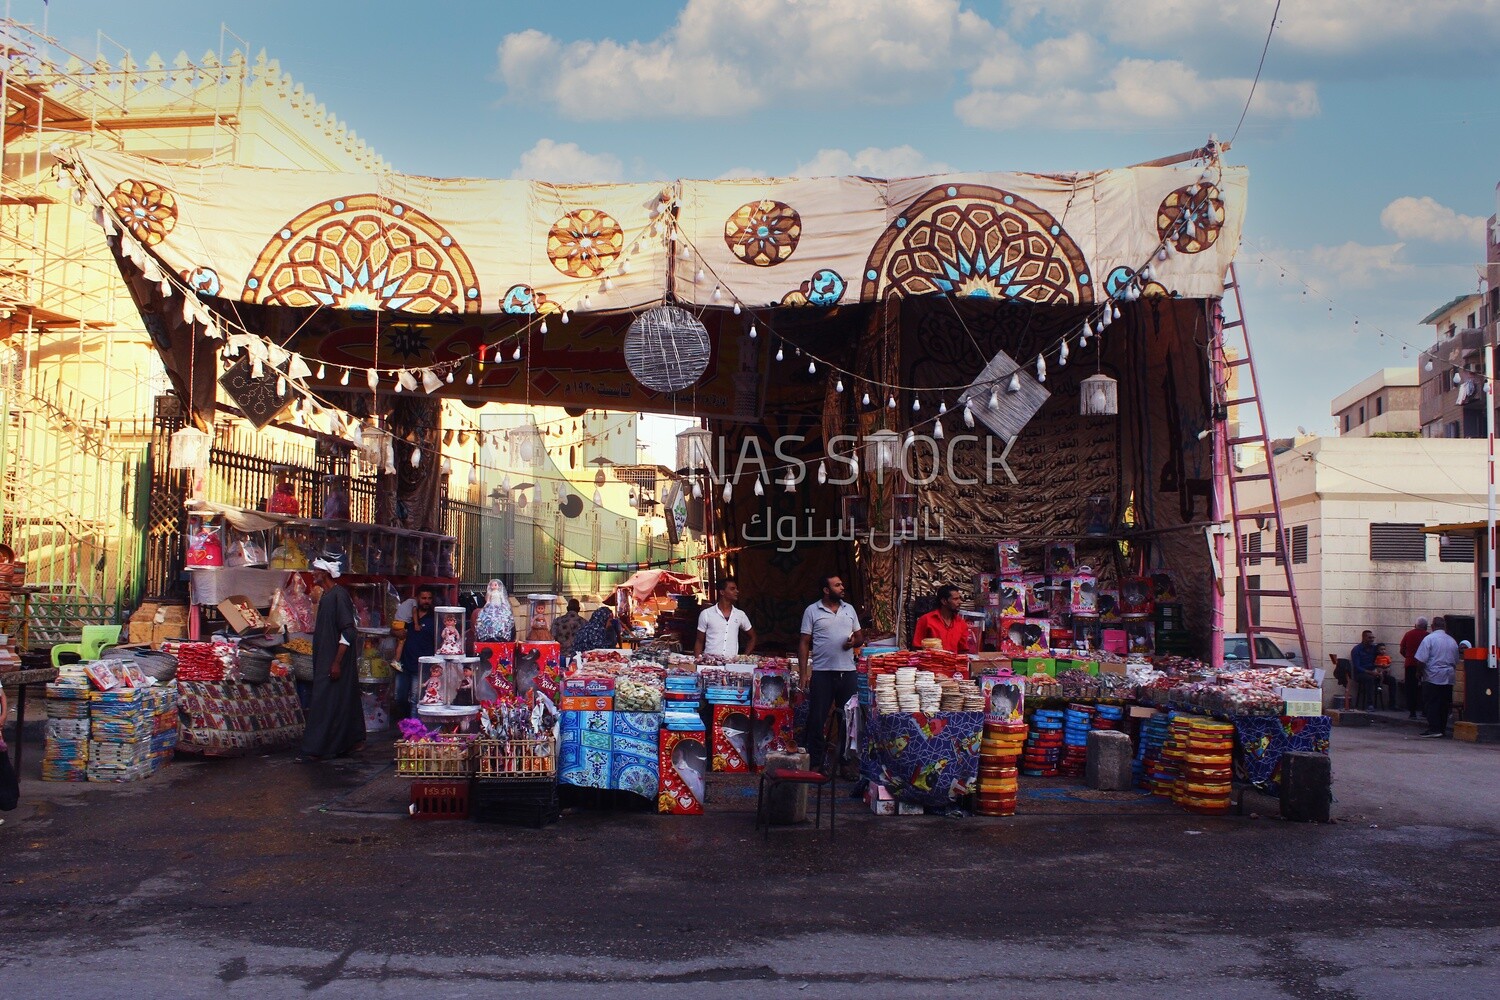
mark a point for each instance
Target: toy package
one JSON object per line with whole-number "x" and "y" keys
{"x": 1013, "y": 636}
{"x": 1012, "y": 598}
{"x": 1062, "y": 559}
{"x": 1136, "y": 597}
{"x": 1037, "y": 602}
{"x": 1008, "y": 556}
{"x": 1085, "y": 595}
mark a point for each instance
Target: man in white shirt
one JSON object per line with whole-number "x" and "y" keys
{"x": 1438, "y": 656}
{"x": 720, "y": 625}
{"x": 830, "y": 635}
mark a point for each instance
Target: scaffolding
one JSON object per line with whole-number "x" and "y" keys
{"x": 78, "y": 371}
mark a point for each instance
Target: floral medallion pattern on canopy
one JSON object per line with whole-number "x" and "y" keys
{"x": 968, "y": 239}
{"x": 148, "y": 210}
{"x": 763, "y": 233}
{"x": 584, "y": 243}
{"x": 203, "y": 280}
{"x": 1202, "y": 215}
{"x": 523, "y": 300}
{"x": 364, "y": 252}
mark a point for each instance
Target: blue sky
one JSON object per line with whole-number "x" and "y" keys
{"x": 1373, "y": 142}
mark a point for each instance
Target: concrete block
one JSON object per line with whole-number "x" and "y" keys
{"x": 1108, "y": 762}
{"x": 1347, "y": 718}
{"x": 1477, "y": 732}
{"x": 1306, "y": 787}
{"x": 787, "y": 803}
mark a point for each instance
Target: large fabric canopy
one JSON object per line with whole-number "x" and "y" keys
{"x": 427, "y": 246}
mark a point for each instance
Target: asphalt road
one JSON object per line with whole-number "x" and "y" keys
{"x": 263, "y": 877}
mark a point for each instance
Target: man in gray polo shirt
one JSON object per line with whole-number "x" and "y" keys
{"x": 830, "y": 635}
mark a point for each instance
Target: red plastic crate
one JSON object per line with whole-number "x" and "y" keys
{"x": 440, "y": 799}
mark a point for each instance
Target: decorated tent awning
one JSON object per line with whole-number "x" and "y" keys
{"x": 429, "y": 246}
{"x": 448, "y": 287}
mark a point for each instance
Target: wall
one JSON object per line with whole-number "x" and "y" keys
{"x": 1337, "y": 487}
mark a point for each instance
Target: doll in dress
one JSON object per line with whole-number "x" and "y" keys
{"x": 432, "y": 692}
{"x": 453, "y": 641}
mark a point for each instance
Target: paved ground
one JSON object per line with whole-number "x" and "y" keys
{"x": 261, "y": 877}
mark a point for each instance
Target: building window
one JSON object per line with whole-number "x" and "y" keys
{"x": 1250, "y": 548}
{"x": 1452, "y": 329}
{"x": 1346, "y": 423}
{"x": 1471, "y": 325}
{"x": 1361, "y": 414}
{"x": 1379, "y": 406}
{"x": 1456, "y": 548}
{"x": 1296, "y": 544}
{"x": 1397, "y": 542}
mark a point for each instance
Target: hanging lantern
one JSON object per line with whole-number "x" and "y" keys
{"x": 189, "y": 449}
{"x": 1099, "y": 396}
{"x": 882, "y": 450}
{"x": 373, "y": 442}
{"x": 694, "y": 451}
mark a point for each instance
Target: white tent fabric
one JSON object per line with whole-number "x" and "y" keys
{"x": 430, "y": 246}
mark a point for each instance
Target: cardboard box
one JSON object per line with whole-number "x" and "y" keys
{"x": 241, "y": 615}
{"x": 588, "y": 687}
{"x": 909, "y": 809}
{"x": 878, "y": 798}
{"x": 1112, "y": 668}
{"x": 497, "y": 669}
{"x": 773, "y": 732}
{"x": 583, "y": 703}
{"x": 730, "y": 739}
{"x": 683, "y": 762}
{"x": 1302, "y": 702}
{"x": 772, "y": 687}
{"x": 538, "y": 668}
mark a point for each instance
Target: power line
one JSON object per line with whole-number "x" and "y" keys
{"x": 1269, "y": 32}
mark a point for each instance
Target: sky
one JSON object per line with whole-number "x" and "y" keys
{"x": 1373, "y": 139}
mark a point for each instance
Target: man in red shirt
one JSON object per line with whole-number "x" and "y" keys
{"x": 946, "y": 624}
{"x": 1413, "y": 680}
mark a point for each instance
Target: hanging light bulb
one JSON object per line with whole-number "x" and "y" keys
{"x": 698, "y": 275}
{"x": 449, "y": 378}
{"x": 780, "y": 355}
{"x": 399, "y": 385}
{"x": 516, "y": 354}
{"x": 942, "y": 407}
{"x": 625, "y": 261}
{"x": 469, "y": 379}
{"x": 910, "y": 437}
{"x": 865, "y": 401}
{"x": 752, "y": 331}
{"x": 1083, "y": 338}
{"x": 916, "y": 404}
{"x": 281, "y": 384}
{"x": 822, "y": 473}
{"x": 1015, "y": 382}
{"x": 1162, "y": 253}
{"x": 937, "y": 430}
{"x": 760, "y": 490}
{"x": 565, "y": 317}
{"x": 1062, "y": 355}
{"x": 890, "y": 403}
{"x": 1041, "y": 368}
{"x": 543, "y": 328}
{"x": 838, "y": 385}
{"x": 968, "y": 414}
{"x": 1114, "y": 312}
{"x": 257, "y": 368}
{"x": 736, "y": 308}
{"x": 606, "y": 285}
{"x": 790, "y": 482}
{"x": 1147, "y": 274}
{"x": 728, "y": 493}
{"x": 374, "y": 379}
{"x": 697, "y": 490}
{"x": 344, "y": 378}
{"x": 416, "y": 457}
{"x": 1099, "y": 326}
{"x": 322, "y": 372}
{"x": 812, "y": 368}
{"x": 717, "y": 294}
{"x": 995, "y": 397}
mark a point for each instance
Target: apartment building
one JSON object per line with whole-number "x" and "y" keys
{"x": 1387, "y": 402}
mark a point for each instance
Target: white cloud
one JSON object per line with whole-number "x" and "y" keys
{"x": 1426, "y": 219}
{"x": 566, "y": 163}
{"x": 725, "y": 57}
{"x": 1232, "y": 29}
{"x": 897, "y": 161}
{"x": 1131, "y": 93}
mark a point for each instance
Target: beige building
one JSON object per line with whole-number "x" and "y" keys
{"x": 1451, "y": 370}
{"x": 1386, "y": 402}
{"x": 1354, "y": 509}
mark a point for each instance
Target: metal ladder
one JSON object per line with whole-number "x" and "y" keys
{"x": 1248, "y": 404}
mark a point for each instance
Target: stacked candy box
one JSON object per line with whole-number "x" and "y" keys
{"x": 1173, "y": 756}
{"x": 1000, "y": 751}
{"x": 1148, "y": 756}
{"x": 1044, "y": 744}
{"x": 1207, "y": 767}
{"x": 1077, "y": 721}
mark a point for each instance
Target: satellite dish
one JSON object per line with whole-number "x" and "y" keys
{"x": 571, "y": 506}
{"x": 666, "y": 349}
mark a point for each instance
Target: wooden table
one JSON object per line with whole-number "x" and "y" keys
{"x": 20, "y": 680}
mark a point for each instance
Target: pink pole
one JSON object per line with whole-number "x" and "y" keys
{"x": 1220, "y": 470}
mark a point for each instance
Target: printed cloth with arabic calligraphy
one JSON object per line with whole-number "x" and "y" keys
{"x": 1265, "y": 738}
{"x": 927, "y": 760}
